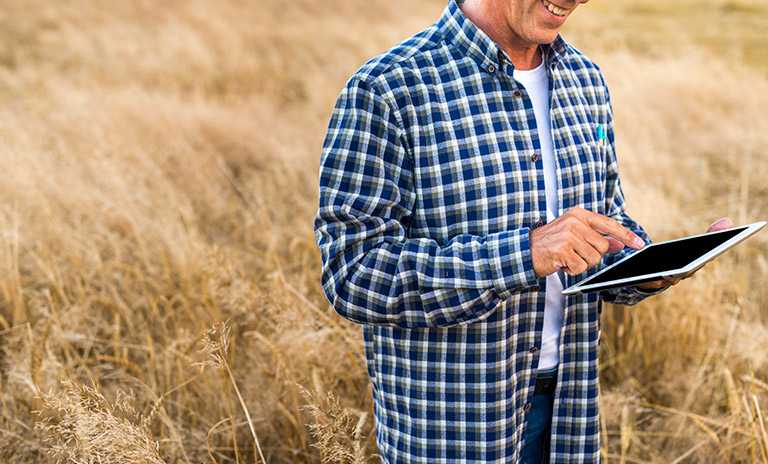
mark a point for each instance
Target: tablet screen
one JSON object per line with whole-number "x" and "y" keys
{"x": 666, "y": 256}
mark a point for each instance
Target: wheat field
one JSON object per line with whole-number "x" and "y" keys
{"x": 160, "y": 298}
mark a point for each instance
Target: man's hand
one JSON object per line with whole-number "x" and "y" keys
{"x": 720, "y": 224}
{"x": 577, "y": 241}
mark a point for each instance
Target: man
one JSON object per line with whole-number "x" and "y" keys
{"x": 468, "y": 176}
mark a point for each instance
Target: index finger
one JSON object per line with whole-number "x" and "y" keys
{"x": 608, "y": 226}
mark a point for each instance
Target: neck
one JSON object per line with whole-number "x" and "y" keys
{"x": 524, "y": 55}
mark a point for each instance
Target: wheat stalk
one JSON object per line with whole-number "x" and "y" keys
{"x": 215, "y": 346}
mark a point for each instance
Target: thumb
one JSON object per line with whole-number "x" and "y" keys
{"x": 720, "y": 224}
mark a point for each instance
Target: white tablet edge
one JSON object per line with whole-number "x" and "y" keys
{"x": 749, "y": 229}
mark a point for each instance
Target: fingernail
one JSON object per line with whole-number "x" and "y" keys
{"x": 639, "y": 243}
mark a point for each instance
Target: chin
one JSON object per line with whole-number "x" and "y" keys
{"x": 547, "y": 38}
{"x": 544, "y": 35}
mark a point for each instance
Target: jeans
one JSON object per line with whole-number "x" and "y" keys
{"x": 536, "y": 436}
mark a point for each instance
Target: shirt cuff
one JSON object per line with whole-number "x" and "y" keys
{"x": 629, "y": 295}
{"x": 511, "y": 261}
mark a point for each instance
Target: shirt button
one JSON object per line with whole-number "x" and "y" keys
{"x": 518, "y": 290}
{"x": 517, "y": 93}
{"x": 527, "y": 407}
{"x": 491, "y": 69}
{"x": 535, "y": 157}
{"x": 534, "y": 350}
{"x": 539, "y": 224}
{"x": 537, "y": 288}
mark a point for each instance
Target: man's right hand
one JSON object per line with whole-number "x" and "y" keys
{"x": 577, "y": 241}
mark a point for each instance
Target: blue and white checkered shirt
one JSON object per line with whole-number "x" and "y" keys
{"x": 429, "y": 185}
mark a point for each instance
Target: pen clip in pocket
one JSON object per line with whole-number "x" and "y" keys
{"x": 601, "y": 137}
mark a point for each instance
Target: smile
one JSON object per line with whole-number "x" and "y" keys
{"x": 555, "y": 10}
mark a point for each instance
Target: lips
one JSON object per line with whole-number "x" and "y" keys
{"x": 555, "y": 10}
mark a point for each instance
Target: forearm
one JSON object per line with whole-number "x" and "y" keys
{"x": 388, "y": 279}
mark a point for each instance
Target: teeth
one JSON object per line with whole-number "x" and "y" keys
{"x": 554, "y": 9}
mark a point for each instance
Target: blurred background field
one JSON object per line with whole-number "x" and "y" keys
{"x": 159, "y": 169}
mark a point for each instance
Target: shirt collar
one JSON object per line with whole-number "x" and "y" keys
{"x": 474, "y": 43}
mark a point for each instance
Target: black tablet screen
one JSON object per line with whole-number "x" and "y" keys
{"x": 666, "y": 256}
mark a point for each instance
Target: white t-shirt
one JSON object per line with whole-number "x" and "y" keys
{"x": 536, "y": 83}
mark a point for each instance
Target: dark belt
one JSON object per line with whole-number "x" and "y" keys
{"x": 545, "y": 383}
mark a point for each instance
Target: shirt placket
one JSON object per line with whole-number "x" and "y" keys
{"x": 527, "y": 145}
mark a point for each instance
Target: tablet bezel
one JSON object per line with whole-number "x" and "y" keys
{"x": 585, "y": 287}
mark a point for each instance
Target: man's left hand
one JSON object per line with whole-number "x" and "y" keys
{"x": 720, "y": 224}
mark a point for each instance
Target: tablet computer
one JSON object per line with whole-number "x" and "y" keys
{"x": 665, "y": 260}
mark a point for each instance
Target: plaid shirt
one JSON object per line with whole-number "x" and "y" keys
{"x": 430, "y": 183}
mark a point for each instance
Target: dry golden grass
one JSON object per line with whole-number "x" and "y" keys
{"x": 159, "y": 178}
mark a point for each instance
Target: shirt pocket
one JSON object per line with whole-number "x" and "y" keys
{"x": 582, "y": 161}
